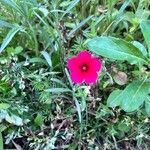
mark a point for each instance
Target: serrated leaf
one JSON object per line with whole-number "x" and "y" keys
{"x": 9, "y": 37}
{"x": 116, "y": 49}
{"x": 145, "y": 27}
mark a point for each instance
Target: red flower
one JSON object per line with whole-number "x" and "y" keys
{"x": 84, "y": 68}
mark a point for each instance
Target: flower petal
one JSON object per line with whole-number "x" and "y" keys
{"x": 96, "y": 64}
{"x": 84, "y": 55}
{"x": 77, "y": 78}
{"x": 91, "y": 78}
{"x": 72, "y": 64}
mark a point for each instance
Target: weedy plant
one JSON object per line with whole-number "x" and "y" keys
{"x": 41, "y": 107}
{"x": 137, "y": 92}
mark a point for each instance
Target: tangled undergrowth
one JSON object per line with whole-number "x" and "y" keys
{"x": 41, "y": 108}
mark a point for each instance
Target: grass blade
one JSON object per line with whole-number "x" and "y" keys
{"x": 1, "y": 142}
{"x": 9, "y": 37}
{"x": 47, "y": 57}
{"x": 11, "y": 4}
{"x": 71, "y": 6}
{"x": 70, "y": 34}
{"x": 58, "y": 90}
{"x": 5, "y": 24}
{"x": 78, "y": 109}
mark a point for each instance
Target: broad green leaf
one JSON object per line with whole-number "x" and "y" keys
{"x": 113, "y": 100}
{"x": 116, "y": 49}
{"x": 4, "y": 106}
{"x": 133, "y": 96}
{"x": 140, "y": 47}
{"x": 147, "y": 105}
{"x": 58, "y": 90}
{"x": 1, "y": 142}
{"x": 38, "y": 120}
{"x": 145, "y": 27}
{"x": 9, "y": 37}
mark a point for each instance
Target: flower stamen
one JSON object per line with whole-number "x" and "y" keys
{"x": 84, "y": 68}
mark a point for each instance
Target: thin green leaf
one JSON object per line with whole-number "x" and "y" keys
{"x": 71, "y": 6}
{"x": 58, "y": 90}
{"x": 140, "y": 47}
{"x": 5, "y": 24}
{"x": 58, "y": 81}
{"x": 78, "y": 109}
{"x": 12, "y": 4}
{"x": 9, "y": 37}
{"x": 145, "y": 27}
{"x": 147, "y": 105}
{"x": 70, "y": 34}
{"x": 47, "y": 57}
{"x": 1, "y": 142}
{"x": 37, "y": 60}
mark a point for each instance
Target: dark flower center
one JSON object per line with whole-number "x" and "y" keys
{"x": 84, "y": 68}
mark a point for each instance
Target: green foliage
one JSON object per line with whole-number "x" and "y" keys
{"x": 40, "y": 107}
{"x": 9, "y": 37}
{"x": 38, "y": 120}
{"x": 145, "y": 27}
{"x": 116, "y": 49}
{"x": 132, "y": 97}
{"x": 1, "y": 142}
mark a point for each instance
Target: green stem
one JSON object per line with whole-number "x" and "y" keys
{"x": 35, "y": 39}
